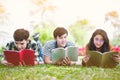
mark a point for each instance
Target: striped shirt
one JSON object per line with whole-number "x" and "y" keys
{"x": 52, "y": 45}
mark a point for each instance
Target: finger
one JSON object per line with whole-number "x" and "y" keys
{"x": 59, "y": 62}
{"x": 63, "y": 64}
{"x": 67, "y": 60}
{"x": 64, "y": 61}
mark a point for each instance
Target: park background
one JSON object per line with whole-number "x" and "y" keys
{"x": 80, "y": 17}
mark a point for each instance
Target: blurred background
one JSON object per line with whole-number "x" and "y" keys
{"x": 80, "y": 17}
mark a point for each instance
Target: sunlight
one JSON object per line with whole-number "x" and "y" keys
{"x": 66, "y": 13}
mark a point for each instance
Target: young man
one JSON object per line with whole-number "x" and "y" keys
{"x": 60, "y": 40}
{"x": 21, "y": 41}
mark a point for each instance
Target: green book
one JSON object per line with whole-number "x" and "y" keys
{"x": 59, "y": 53}
{"x": 101, "y": 59}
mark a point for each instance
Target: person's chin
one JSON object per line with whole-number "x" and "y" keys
{"x": 63, "y": 45}
{"x": 98, "y": 47}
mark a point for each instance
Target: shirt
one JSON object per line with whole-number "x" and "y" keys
{"x": 31, "y": 45}
{"x": 52, "y": 45}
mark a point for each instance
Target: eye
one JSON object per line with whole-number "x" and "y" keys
{"x": 96, "y": 39}
{"x": 22, "y": 43}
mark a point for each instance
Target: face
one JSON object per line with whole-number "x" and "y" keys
{"x": 61, "y": 40}
{"x": 98, "y": 41}
{"x": 21, "y": 44}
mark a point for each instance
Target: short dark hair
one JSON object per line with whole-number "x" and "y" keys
{"x": 59, "y": 31}
{"x": 21, "y": 34}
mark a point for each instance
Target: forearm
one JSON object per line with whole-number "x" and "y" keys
{"x": 47, "y": 60}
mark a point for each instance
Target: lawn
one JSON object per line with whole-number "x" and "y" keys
{"x": 52, "y": 72}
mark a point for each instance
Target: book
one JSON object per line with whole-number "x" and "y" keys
{"x": 23, "y": 57}
{"x": 59, "y": 53}
{"x": 99, "y": 59}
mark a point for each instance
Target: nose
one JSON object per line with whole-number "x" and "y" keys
{"x": 19, "y": 47}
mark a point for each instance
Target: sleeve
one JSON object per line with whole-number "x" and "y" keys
{"x": 47, "y": 50}
{"x": 10, "y": 46}
{"x": 34, "y": 46}
{"x": 70, "y": 43}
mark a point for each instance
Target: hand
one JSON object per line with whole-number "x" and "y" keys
{"x": 59, "y": 62}
{"x": 86, "y": 58}
{"x": 116, "y": 58}
{"x": 64, "y": 62}
{"x": 4, "y": 62}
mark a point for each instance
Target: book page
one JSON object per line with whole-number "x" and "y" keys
{"x": 95, "y": 58}
{"x": 107, "y": 59}
{"x": 58, "y": 54}
{"x": 72, "y": 53}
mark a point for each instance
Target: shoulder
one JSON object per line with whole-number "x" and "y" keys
{"x": 32, "y": 45}
{"x": 70, "y": 43}
{"x": 32, "y": 42}
{"x": 86, "y": 47}
{"x": 111, "y": 47}
{"x": 10, "y": 43}
{"x": 51, "y": 42}
{"x": 10, "y": 46}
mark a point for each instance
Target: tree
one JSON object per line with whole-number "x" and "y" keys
{"x": 79, "y": 31}
{"x": 42, "y": 7}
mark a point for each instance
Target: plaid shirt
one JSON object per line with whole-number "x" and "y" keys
{"x": 52, "y": 45}
{"x": 31, "y": 45}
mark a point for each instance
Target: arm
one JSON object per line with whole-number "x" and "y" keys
{"x": 47, "y": 52}
{"x": 47, "y": 60}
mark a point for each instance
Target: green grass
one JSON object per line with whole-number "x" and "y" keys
{"x": 52, "y": 72}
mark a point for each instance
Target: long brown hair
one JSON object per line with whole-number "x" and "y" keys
{"x": 105, "y": 47}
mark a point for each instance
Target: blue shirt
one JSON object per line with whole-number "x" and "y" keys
{"x": 52, "y": 45}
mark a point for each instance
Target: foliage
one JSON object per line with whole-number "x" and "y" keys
{"x": 116, "y": 41}
{"x": 1, "y": 50}
{"x": 51, "y": 72}
{"x": 46, "y": 32}
{"x": 79, "y": 30}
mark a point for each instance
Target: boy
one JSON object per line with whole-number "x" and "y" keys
{"x": 21, "y": 41}
{"x": 60, "y": 40}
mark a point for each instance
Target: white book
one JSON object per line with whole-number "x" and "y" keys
{"x": 59, "y": 53}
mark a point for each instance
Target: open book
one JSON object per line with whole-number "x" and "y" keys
{"x": 22, "y": 57}
{"x": 59, "y": 53}
{"x": 101, "y": 59}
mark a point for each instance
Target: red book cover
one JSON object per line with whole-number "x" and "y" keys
{"x": 12, "y": 57}
{"x": 27, "y": 57}
{"x": 24, "y": 57}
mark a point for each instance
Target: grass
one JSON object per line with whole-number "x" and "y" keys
{"x": 52, "y": 72}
